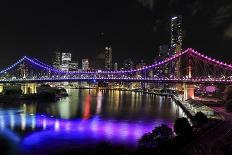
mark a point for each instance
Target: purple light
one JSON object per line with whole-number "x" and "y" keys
{"x": 99, "y": 129}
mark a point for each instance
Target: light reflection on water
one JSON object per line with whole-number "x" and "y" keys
{"x": 83, "y": 117}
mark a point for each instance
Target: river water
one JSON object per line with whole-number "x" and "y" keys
{"x": 85, "y": 118}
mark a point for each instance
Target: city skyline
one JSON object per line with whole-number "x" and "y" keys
{"x": 35, "y": 30}
{"x": 116, "y": 77}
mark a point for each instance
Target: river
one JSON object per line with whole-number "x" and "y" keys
{"x": 85, "y": 118}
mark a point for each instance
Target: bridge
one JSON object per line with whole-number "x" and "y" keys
{"x": 193, "y": 68}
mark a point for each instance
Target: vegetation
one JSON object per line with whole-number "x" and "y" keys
{"x": 47, "y": 93}
{"x": 182, "y": 127}
{"x": 228, "y": 98}
{"x": 159, "y": 136}
{"x": 200, "y": 119}
{"x": 162, "y": 137}
{"x": 12, "y": 91}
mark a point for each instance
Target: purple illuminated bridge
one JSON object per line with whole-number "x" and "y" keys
{"x": 193, "y": 67}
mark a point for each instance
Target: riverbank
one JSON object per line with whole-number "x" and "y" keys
{"x": 44, "y": 94}
{"x": 217, "y": 140}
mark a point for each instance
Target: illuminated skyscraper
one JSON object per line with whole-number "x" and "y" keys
{"x": 115, "y": 66}
{"x": 73, "y": 66}
{"x": 85, "y": 64}
{"x": 65, "y": 60}
{"x": 108, "y": 58}
{"x": 56, "y": 61}
{"x": 176, "y": 33}
{"x": 176, "y": 41}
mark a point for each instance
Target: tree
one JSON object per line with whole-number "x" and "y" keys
{"x": 160, "y": 135}
{"x": 182, "y": 127}
{"x": 12, "y": 91}
{"x": 200, "y": 118}
{"x": 228, "y": 98}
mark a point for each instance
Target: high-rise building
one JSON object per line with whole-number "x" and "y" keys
{"x": 176, "y": 41}
{"x": 73, "y": 66}
{"x": 56, "y": 61}
{"x": 176, "y": 33}
{"x": 115, "y": 66}
{"x": 164, "y": 53}
{"x": 128, "y": 64}
{"x": 85, "y": 64}
{"x": 108, "y": 58}
{"x": 65, "y": 60}
{"x": 140, "y": 65}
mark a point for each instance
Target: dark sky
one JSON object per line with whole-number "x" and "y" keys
{"x": 134, "y": 28}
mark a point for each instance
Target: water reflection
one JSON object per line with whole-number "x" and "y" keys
{"x": 116, "y": 116}
{"x": 113, "y": 130}
{"x": 99, "y": 102}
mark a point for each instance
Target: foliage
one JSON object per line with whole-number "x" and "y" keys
{"x": 160, "y": 135}
{"x": 45, "y": 85}
{"x": 12, "y": 91}
{"x": 200, "y": 118}
{"x": 228, "y": 98}
{"x": 182, "y": 126}
{"x": 229, "y": 106}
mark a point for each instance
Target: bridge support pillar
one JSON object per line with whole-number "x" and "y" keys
{"x": 1, "y": 88}
{"x": 29, "y": 88}
{"x": 188, "y": 91}
{"x": 143, "y": 85}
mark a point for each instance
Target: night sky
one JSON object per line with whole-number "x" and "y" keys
{"x": 133, "y": 28}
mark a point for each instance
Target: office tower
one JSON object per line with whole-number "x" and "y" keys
{"x": 56, "y": 60}
{"x": 176, "y": 33}
{"x": 128, "y": 64}
{"x": 176, "y": 42}
{"x": 73, "y": 66}
{"x": 164, "y": 53}
{"x": 85, "y": 64}
{"x": 115, "y": 66}
{"x": 65, "y": 60}
{"x": 108, "y": 58}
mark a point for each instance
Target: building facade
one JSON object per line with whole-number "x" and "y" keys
{"x": 73, "y": 66}
{"x": 176, "y": 33}
{"x": 108, "y": 58}
{"x": 65, "y": 60}
{"x": 85, "y": 64}
{"x": 56, "y": 60}
{"x": 176, "y": 42}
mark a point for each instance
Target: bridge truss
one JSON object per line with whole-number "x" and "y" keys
{"x": 194, "y": 68}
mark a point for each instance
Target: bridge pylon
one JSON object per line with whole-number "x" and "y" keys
{"x": 1, "y": 88}
{"x": 29, "y": 88}
{"x": 188, "y": 91}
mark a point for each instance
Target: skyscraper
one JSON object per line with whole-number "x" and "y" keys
{"x": 128, "y": 64}
{"x": 108, "y": 58}
{"x": 176, "y": 33}
{"x": 115, "y": 66}
{"x": 163, "y": 52}
{"x": 85, "y": 64}
{"x": 73, "y": 66}
{"x": 176, "y": 41}
{"x": 56, "y": 61}
{"x": 65, "y": 60}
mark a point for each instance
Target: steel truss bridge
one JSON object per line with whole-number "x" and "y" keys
{"x": 193, "y": 68}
